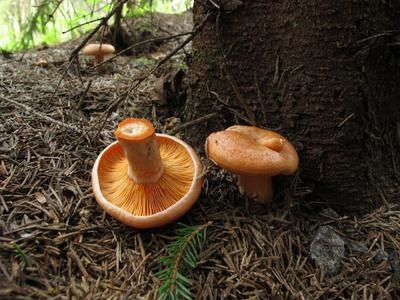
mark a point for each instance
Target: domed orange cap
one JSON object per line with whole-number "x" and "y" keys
{"x": 96, "y": 49}
{"x": 250, "y": 150}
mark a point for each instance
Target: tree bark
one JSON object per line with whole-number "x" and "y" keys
{"x": 323, "y": 73}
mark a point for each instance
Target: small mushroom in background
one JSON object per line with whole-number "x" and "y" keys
{"x": 255, "y": 155}
{"x": 98, "y": 51}
{"x": 145, "y": 179}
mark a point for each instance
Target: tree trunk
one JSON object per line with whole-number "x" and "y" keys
{"x": 323, "y": 73}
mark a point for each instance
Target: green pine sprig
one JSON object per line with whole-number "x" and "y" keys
{"x": 37, "y": 23}
{"x": 182, "y": 254}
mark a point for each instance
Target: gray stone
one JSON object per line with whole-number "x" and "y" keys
{"x": 380, "y": 256}
{"x": 326, "y": 249}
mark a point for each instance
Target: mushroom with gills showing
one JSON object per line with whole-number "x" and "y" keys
{"x": 98, "y": 51}
{"x": 254, "y": 155}
{"x": 145, "y": 179}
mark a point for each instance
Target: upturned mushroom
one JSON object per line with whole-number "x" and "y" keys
{"x": 145, "y": 179}
{"x": 98, "y": 51}
{"x": 254, "y": 155}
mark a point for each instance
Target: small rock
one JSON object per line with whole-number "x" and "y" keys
{"x": 326, "y": 249}
{"x": 380, "y": 256}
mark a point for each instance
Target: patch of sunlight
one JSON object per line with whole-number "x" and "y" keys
{"x": 55, "y": 22}
{"x": 172, "y": 6}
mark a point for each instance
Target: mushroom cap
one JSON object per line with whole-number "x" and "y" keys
{"x": 113, "y": 156}
{"x": 249, "y": 150}
{"x": 96, "y": 49}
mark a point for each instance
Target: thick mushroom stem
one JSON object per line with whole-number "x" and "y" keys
{"x": 98, "y": 59}
{"x": 138, "y": 141}
{"x": 254, "y": 154}
{"x": 258, "y": 186}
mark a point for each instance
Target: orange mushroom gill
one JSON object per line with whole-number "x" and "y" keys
{"x": 149, "y": 198}
{"x": 146, "y": 179}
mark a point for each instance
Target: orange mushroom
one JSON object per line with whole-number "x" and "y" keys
{"x": 98, "y": 51}
{"x": 145, "y": 179}
{"x": 255, "y": 155}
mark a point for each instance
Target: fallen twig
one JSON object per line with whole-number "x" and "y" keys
{"x": 140, "y": 79}
{"x": 42, "y": 115}
{"x": 193, "y": 122}
{"x": 143, "y": 43}
{"x": 74, "y": 54}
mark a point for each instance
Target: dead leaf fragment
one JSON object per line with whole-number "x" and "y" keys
{"x": 40, "y": 197}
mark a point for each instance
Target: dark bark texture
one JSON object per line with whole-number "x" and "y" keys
{"x": 323, "y": 73}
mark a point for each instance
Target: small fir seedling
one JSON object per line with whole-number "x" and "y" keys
{"x": 24, "y": 256}
{"x": 182, "y": 255}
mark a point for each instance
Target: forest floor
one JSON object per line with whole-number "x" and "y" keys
{"x": 56, "y": 243}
